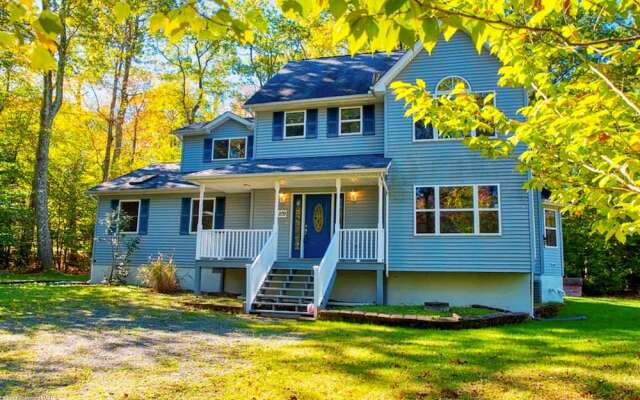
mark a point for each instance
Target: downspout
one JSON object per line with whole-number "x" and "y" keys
{"x": 534, "y": 247}
{"x": 386, "y": 227}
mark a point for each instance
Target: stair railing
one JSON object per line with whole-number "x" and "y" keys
{"x": 259, "y": 268}
{"x": 324, "y": 272}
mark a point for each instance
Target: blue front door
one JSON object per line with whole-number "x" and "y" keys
{"x": 317, "y": 221}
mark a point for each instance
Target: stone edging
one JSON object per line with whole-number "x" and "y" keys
{"x": 425, "y": 321}
{"x": 42, "y": 282}
{"x": 215, "y": 307}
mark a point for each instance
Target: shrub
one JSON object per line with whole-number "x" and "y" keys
{"x": 160, "y": 274}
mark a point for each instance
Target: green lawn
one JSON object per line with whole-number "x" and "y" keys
{"x": 124, "y": 342}
{"x": 42, "y": 276}
{"x": 419, "y": 310}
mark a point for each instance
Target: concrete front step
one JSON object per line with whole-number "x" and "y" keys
{"x": 279, "y": 307}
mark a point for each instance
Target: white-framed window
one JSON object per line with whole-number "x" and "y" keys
{"x": 294, "y": 124}
{"x": 457, "y": 210}
{"x": 230, "y": 149}
{"x": 350, "y": 120}
{"x": 208, "y": 214}
{"x": 422, "y": 133}
{"x": 129, "y": 210}
{"x": 550, "y": 228}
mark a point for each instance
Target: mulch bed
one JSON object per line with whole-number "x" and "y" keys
{"x": 425, "y": 321}
{"x": 215, "y": 307}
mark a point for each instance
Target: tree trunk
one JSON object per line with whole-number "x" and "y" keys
{"x": 48, "y": 110}
{"x": 45, "y": 251}
{"x": 130, "y": 46}
{"x": 106, "y": 163}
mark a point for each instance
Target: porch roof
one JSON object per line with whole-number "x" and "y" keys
{"x": 300, "y": 165}
{"x": 164, "y": 176}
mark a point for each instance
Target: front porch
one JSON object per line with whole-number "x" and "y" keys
{"x": 321, "y": 222}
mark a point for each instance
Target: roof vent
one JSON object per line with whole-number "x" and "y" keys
{"x": 142, "y": 179}
{"x": 376, "y": 77}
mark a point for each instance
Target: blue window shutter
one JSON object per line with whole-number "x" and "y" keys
{"x": 369, "y": 120}
{"x": 185, "y": 215}
{"x": 249, "y": 147}
{"x": 312, "y": 123}
{"x": 114, "y": 207}
{"x": 278, "y": 125}
{"x": 219, "y": 218}
{"x": 206, "y": 153}
{"x": 144, "y": 217}
{"x": 332, "y": 122}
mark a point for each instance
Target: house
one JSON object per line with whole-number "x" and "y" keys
{"x": 330, "y": 193}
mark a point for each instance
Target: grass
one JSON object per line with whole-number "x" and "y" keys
{"x": 419, "y": 310}
{"x": 214, "y": 299}
{"x": 117, "y": 342}
{"x": 42, "y": 276}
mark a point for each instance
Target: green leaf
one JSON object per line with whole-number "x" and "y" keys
{"x": 42, "y": 59}
{"x": 337, "y": 8}
{"x": 121, "y": 10}
{"x": 50, "y": 22}
{"x": 7, "y": 39}
{"x": 430, "y": 32}
{"x": 392, "y": 6}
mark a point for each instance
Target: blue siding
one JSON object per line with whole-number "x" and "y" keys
{"x": 164, "y": 228}
{"x": 450, "y": 162}
{"x": 362, "y": 213}
{"x": 266, "y": 147}
{"x": 193, "y": 146}
{"x": 553, "y": 263}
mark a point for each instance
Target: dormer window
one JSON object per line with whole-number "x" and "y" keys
{"x": 294, "y": 124}
{"x": 350, "y": 120}
{"x": 230, "y": 149}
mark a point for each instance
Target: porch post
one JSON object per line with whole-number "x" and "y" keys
{"x": 380, "y": 229}
{"x": 199, "y": 227}
{"x": 276, "y": 205}
{"x": 338, "y": 203}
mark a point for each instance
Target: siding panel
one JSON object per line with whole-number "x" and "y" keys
{"x": 450, "y": 162}
{"x": 322, "y": 145}
{"x": 193, "y": 146}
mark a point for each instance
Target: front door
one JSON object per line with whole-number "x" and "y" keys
{"x": 317, "y": 225}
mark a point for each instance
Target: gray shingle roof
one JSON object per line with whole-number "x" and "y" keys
{"x": 302, "y": 164}
{"x": 155, "y": 176}
{"x": 325, "y": 77}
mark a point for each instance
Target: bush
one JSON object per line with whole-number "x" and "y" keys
{"x": 160, "y": 275}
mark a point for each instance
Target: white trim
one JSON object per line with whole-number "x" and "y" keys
{"x": 340, "y": 121}
{"x": 213, "y": 224}
{"x": 388, "y": 77}
{"x": 316, "y": 101}
{"x": 198, "y": 175}
{"x": 285, "y": 125}
{"x": 137, "y": 217}
{"x": 553, "y": 228}
{"x": 229, "y": 139}
{"x": 476, "y": 210}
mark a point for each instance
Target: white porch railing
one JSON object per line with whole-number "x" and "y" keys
{"x": 260, "y": 267}
{"x": 231, "y": 243}
{"x": 323, "y": 273}
{"x": 361, "y": 244}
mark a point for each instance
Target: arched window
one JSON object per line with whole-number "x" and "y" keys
{"x": 443, "y": 88}
{"x": 447, "y": 84}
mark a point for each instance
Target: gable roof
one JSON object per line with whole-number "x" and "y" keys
{"x": 199, "y": 128}
{"x": 325, "y": 77}
{"x": 155, "y": 176}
